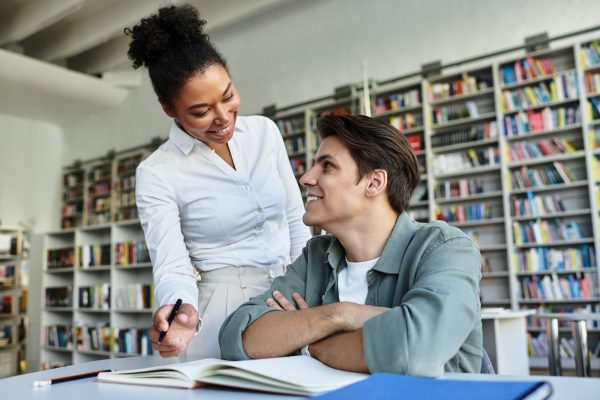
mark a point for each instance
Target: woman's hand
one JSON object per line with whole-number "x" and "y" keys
{"x": 180, "y": 332}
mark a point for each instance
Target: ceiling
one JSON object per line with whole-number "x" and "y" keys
{"x": 87, "y": 35}
{"x": 60, "y": 54}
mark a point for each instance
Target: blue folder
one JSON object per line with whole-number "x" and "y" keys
{"x": 389, "y": 386}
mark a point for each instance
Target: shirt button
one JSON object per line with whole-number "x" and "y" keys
{"x": 272, "y": 274}
{"x": 246, "y": 188}
{"x": 259, "y": 209}
{"x": 259, "y": 227}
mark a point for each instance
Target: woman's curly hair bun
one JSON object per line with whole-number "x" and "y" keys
{"x": 169, "y": 29}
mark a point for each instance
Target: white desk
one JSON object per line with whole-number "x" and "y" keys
{"x": 20, "y": 387}
{"x": 505, "y": 340}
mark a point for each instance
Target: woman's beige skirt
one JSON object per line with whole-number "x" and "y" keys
{"x": 221, "y": 292}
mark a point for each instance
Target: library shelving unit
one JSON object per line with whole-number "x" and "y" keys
{"x": 124, "y": 207}
{"x": 13, "y": 300}
{"x": 466, "y": 169}
{"x": 98, "y": 192}
{"x": 97, "y": 294}
{"x": 402, "y": 107}
{"x": 72, "y": 208}
{"x": 101, "y": 191}
{"x": 298, "y": 137}
{"x": 549, "y": 191}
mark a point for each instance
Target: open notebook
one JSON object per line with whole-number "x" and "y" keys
{"x": 299, "y": 375}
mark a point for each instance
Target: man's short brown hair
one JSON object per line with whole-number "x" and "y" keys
{"x": 375, "y": 144}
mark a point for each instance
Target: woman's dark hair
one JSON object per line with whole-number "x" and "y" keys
{"x": 172, "y": 46}
{"x": 376, "y": 144}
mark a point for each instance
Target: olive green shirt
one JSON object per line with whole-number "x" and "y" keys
{"x": 428, "y": 275}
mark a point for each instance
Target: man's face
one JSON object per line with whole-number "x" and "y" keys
{"x": 334, "y": 198}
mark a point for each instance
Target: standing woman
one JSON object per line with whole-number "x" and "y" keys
{"x": 219, "y": 204}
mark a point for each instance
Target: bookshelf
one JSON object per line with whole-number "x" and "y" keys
{"x": 509, "y": 151}
{"x": 14, "y": 250}
{"x": 97, "y": 294}
{"x": 101, "y": 191}
{"x": 402, "y": 107}
{"x": 466, "y": 169}
{"x": 299, "y": 139}
{"x": 72, "y": 208}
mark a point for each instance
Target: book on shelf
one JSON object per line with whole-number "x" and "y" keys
{"x": 131, "y": 252}
{"x": 415, "y": 142}
{"x": 546, "y": 231}
{"x": 6, "y": 335}
{"x": 590, "y": 53}
{"x": 478, "y": 132}
{"x": 551, "y": 287}
{"x": 61, "y": 258}
{"x": 471, "y": 212}
{"x": 526, "y": 69}
{"x": 97, "y": 297}
{"x": 542, "y": 259}
{"x": 131, "y": 341}
{"x": 459, "y": 188}
{"x": 530, "y": 177}
{"x": 532, "y": 121}
{"x": 60, "y": 336}
{"x": 9, "y": 275}
{"x": 404, "y": 122}
{"x": 299, "y": 375}
{"x": 93, "y": 337}
{"x": 396, "y": 101}
{"x": 464, "y": 160}
{"x": 592, "y": 82}
{"x": 93, "y": 255}
{"x": 7, "y": 305}
{"x": 384, "y": 386}
{"x": 134, "y": 296}
{"x": 595, "y": 102}
{"x": 59, "y": 296}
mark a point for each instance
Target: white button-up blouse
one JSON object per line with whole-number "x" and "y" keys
{"x": 199, "y": 212}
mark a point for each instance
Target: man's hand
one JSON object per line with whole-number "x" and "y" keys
{"x": 178, "y": 334}
{"x": 280, "y": 302}
{"x": 353, "y": 315}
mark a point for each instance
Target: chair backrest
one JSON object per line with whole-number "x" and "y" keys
{"x": 486, "y": 363}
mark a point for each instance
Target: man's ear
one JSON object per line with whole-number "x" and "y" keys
{"x": 167, "y": 109}
{"x": 377, "y": 182}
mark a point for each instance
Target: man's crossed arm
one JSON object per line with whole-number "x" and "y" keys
{"x": 333, "y": 331}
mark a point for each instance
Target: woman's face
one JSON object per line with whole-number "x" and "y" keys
{"x": 207, "y": 106}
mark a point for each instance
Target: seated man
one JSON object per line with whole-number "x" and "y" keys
{"x": 383, "y": 293}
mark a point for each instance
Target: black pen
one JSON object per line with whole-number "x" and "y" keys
{"x": 170, "y": 319}
{"x": 45, "y": 382}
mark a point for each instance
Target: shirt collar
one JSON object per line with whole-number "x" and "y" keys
{"x": 393, "y": 251}
{"x": 182, "y": 140}
{"x": 396, "y": 245}
{"x": 185, "y": 142}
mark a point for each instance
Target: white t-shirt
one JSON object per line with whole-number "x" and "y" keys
{"x": 198, "y": 212}
{"x": 352, "y": 281}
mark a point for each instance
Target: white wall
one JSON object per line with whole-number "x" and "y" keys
{"x": 305, "y": 48}
{"x": 31, "y": 157}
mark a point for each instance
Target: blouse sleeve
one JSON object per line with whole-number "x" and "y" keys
{"x": 294, "y": 209}
{"x": 159, "y": 214}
